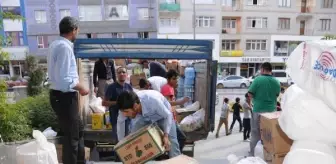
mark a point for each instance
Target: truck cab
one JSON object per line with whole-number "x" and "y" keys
{"x": 200, "y": 51}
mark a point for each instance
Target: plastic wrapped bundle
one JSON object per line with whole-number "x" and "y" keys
{"x": 304, "y": 117}
{"x": 310, "y": 152}
{"x": 312, "y": 65}
{"x": 193, "y": 122}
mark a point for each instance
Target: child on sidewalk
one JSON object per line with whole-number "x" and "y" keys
{"x": 236, "y": 115}
{"x": 224, "y": 117}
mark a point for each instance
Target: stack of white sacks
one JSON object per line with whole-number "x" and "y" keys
{"x": 309, "y": 106}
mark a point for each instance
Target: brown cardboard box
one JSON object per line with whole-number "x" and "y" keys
{"x": 141, "y": 146}
{"x": 136, "y": 78}
{"x": 59, "y": 153}
{"x": 182, "y": 159}
{"x": 173, "y": 66}
{"x": 274, "y": 139}
{"x": 274, "y": 158}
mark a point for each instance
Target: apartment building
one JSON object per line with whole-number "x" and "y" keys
{"x": 17, "y": 45}
{"x": 255, "y": 31}
{"x": 98, "y": 19}
{"x": 176, "y": 21}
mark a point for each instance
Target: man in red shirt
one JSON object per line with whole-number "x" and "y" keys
{"x": 168, "y": 91}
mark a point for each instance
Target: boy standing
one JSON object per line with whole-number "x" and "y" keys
{"x": 247, "y": 117}
{"x": 236, "y": 115}
{"x": 224, "y": 118}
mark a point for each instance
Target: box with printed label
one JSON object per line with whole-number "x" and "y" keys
{"x": 97, "y": 121}
{"x": 274, "y": 158}
{"x": 141, "y": 146}
{"x": 274, "y": 139}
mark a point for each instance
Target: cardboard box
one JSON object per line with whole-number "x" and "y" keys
{"x": 173, "y": 66}
{"x": 59, "y": 149}
{"x": 136, "y": 78}
{"x": 274, "y": 139}
{"x": 141, "y": 146}
{"x": 182, "y": 159}
{"x": 274, "y": 158}
{"x": 120, "y": 62}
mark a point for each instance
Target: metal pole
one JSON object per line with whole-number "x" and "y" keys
{"x": 194, "y": 19}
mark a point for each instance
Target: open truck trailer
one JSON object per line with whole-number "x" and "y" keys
{"x": 205, "y": 80}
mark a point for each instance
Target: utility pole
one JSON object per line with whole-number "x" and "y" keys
{"x": 194, "y": 19}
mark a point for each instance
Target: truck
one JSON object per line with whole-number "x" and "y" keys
{"x": 200, "y": 51}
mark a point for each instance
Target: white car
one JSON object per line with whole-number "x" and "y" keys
{"x": 233, "y": 81}
{"x": 281, "y": 75}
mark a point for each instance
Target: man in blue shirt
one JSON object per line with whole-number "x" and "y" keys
{"x": 63, "y": 77}
{"x": 120, "y": 124}
{"x": 149, "y": 106}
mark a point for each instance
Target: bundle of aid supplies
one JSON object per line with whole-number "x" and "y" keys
{"x": 309, "y": 106}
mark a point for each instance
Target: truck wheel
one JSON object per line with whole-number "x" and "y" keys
{"x": 220, "y": 86}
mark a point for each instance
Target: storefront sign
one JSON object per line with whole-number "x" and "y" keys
{"x": 284, "y": 59}
{"x": 234, "y": 53}
{"x": 116, "y": 12}
{"x": 255, "y": 60}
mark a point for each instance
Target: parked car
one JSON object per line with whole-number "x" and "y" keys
{"x": 5, "y": 77}
{"x": 233, "y": 81}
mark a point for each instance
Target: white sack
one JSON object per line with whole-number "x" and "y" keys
{"x": 309, "y": 152}
{"x": 193, "y": 121}
{"x": 190, "y": 108}
{"x": 157, "y": 82}
{"x": 37, "y": 152}
{"x": 49, "y": 132}
{"x": 304, "y": 117}
{"x": 312, "y": 65}
{"x": 96, "y": 105}
{"x": 252, "y": 160}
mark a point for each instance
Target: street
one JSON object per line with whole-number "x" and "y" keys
{"x": 214, "y": 150}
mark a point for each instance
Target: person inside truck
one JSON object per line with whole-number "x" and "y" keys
{"x": 111, "y": 95}
{"x": 168, "y": 91}
{"x": 147, "y": 107}
{"x": 144, "y": 84}
{"x": 103, "y": 75}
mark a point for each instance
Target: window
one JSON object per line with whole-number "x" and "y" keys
{"x": 40, "y": 16}
{"x": 143, "y": 13}
{"x": 284, "y": 23}
{"x": 42, "y": 41}
{"x": 90, "y": 13}
{"x": 229, "y": 3}
{"x": 255, "y": 45}
{"x": 229, "y": 23}
{"x": 143, "y": 35}
{"x": 117, "y": 35}
{"x": 325, "y": 24}
{"x": 327, "y": 3}
{"x": 205, "y": 21}
{"x": 14, "y": 38}
{"x": 256, "y": 2}
{"x": 284, "y": 3}
{"x": 12, "y": 10}
{"x": 64, "y": 13}
{"x": 168, "y": 22}
{"x": 256, "y": 22}
{"x": 279, "y": 74}
{"x": 229, "y": 45}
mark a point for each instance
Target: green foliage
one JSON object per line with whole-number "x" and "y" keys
{"x": 36, "y": 75}
{"x": 329, "y": 37}
{"x": 42, "y": 115}
{"x": 18, "y": 120}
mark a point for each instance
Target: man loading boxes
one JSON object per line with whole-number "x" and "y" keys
{"x": 147, "y": 107}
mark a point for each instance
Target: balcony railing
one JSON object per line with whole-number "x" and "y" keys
{"x": 232, "y": 53}
{"x": 171, "y": 7}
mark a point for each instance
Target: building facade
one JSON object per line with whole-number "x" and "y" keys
{"x": 15, "y": 34}
{"x": 255, "y": 31}
{"x": 98, "y": 19}
{"x": 176, "y": 21}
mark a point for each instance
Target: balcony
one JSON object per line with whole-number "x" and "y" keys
{"x": 170, "y": 7}
{"x": 305, "y": 14}
{"x": 232, "y": 53}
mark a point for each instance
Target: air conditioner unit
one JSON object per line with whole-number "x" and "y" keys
{"x": 224, "y": 31}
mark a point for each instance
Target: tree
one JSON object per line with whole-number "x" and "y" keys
{"x": 36, "y": 74}
{"x": 329, "y": 37}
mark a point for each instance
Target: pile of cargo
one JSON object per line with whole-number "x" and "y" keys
{"x": 309, "y": 107}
